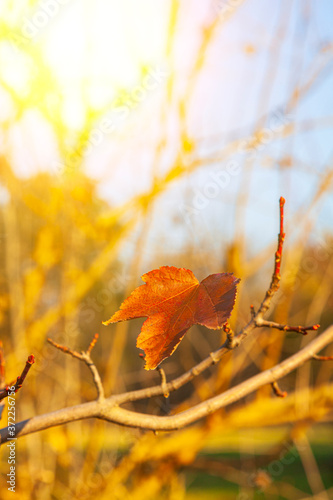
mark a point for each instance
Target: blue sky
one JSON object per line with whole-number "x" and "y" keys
{"x": 255, "y": 62}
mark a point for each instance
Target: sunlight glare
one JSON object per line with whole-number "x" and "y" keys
{"x": 99, "y": 48}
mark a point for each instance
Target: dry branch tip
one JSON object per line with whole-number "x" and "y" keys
{"x": 277, "y": 391}
{"x": 15, "y": 386}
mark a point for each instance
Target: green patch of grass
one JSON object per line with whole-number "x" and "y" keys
{"x": 286, "y": 472}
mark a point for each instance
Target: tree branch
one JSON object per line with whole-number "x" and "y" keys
{"x": 285, "y": 328}
{"x": 109, "y": 409}
{"x": 19, "y": 381}
{"x": 163, "y": 381}
{"x": 277, "y": 390}
{"x": 322, "y": 358}
{"x": 153, "y": 422}
{"x": 85, "y": 356}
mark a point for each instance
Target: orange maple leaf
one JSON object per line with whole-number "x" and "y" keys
{"x": 174, "y": 300}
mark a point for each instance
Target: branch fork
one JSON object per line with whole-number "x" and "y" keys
{"x": 86, "y": 358}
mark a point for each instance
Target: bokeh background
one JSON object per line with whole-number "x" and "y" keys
{"x": 140, "y": 134}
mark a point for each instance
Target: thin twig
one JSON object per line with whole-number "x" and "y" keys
{"x": 278, "y": 254}
{"x": 276, "y": 277}
{"x": 30, "y": 361}
{"x": 15, "y": 386}
{"x": 96, "y": 376}
{"x": 286, "y": 328}
{"x": 273, "y": 288}
{"x": 230, "y": 335}
{"x": 277, "y": 390}
{"x": 322, "y": 358}
{"x": 163, "y": 382}
{"x": 92, "y": 343}
{"x": 85, "y": 356}
{"x": 311, "y": 469}
{"x": 65, "y": 349}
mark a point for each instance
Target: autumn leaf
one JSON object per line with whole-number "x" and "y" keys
{"x": 173, "y": 300}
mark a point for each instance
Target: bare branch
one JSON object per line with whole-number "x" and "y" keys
{"x": 92, "y": 343}
{"x": 163, "y": 382}
{"x": 277, "y": 390}
{"x": 96, "y": 376}
{"x": 65, "y": 349}
{"x": 108, "y": 409}
{"x": 286, "y": 328}
{"x": 15, "y": 386}
{"x": 230, "y": 335}
{"x": 322, "y": 358}
{"x": 273, "y": 288}
{"x": 126, "y": 417}
{"x": 85, "y": 356}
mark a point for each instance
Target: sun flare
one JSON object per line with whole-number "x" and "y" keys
{"x": 93, "y": 50}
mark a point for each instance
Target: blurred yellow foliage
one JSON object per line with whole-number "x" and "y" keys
{"x": 48, "y": 250}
